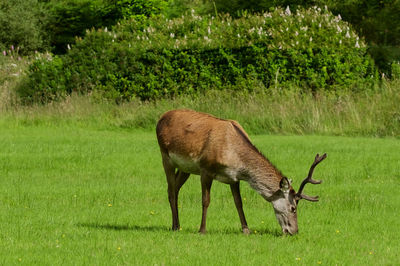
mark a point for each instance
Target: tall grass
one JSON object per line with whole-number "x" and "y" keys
{"x": 272, "y": 112}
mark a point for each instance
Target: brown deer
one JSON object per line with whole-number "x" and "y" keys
{"x": 201, "y": 144}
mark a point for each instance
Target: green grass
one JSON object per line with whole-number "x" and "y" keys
{"x": 80, "y": 195}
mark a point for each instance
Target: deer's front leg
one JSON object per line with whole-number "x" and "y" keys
{"x": 239, "y": 206}
{"x": 206, "y": 182}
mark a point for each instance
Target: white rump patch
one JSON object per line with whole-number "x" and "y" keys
{"x": 185, "y": 164}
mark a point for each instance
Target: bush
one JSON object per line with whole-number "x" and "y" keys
{"x": 311, "y": 49}
{"x": 376, "y": 21}
{"x": 140, "y": 8}
{"x": 21, "y": 25}
{"x": 47, "y": 80}
{"x": 70, "y": 18}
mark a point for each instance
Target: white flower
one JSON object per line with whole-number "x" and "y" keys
{"x": 267, "y": 15}
{"x": 69, "y": 47}
{"x": 338, "y": 29}
{"x": 209, "y": 30}
{"x": 287, "y": 11}
{"x": 357, "y": 45}
{"x": 339, "y": 17}
{"x": 296, "y": 33}
{"x": 347, "y": 35}
{"x": 172, "y": 35}
{"x": 311, "y": 39}
{"x": 340, "y": 41}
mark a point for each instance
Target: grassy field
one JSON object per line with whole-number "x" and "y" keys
{"x": 78, "y": 195}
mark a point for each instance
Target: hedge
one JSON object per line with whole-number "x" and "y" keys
{"x": 311, "y": 49}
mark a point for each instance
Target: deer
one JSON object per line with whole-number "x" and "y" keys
{"x": 217, "y": 149}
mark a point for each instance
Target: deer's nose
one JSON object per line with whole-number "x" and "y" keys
{"x": 286, "y": 231}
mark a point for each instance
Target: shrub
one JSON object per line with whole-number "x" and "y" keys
{"x": 140, "y": 8}
{"x": 70, "y": 18}
{"x": 311, "y": 49}
{"x": 47, "y": 80}
{"x": 21, "y": 25}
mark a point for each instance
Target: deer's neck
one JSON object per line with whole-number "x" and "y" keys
{"x": 262, "y": 175}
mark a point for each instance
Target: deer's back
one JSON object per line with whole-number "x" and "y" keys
{"x": 208, "y": 141}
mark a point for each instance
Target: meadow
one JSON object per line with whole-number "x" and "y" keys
{"x": 80, "y": 169}
{"x": 76, "y": 194}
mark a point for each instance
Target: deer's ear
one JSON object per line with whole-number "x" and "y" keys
{"x": 284, "y": 184}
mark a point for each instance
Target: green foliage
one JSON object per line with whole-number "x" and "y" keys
{"x": 47, "y": 80}
{"x": 21, "y": 25}
{"x": 395, "y": 70}
{"x": 67, "y": 19}
{"x": 53, "y": 25}
{"x": 310, "y": 49}
{"x": 236, "y": 7}
{"x": 71, "y": 18}
{"x": 176, "y": 8}
{"x": 141, "y": 8}
{"x": 376, "y": 21}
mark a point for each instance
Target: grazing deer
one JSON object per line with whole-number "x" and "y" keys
{"x": 201, "y": 144}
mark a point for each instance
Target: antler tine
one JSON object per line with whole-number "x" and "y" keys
{"x": 309, "y": 179}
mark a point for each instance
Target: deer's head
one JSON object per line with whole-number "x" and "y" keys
{"x": 285, "y": 200}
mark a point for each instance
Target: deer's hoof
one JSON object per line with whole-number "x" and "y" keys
{"x": 246, "y": 231}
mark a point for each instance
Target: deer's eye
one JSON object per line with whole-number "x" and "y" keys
{"x": 293, "y": 209}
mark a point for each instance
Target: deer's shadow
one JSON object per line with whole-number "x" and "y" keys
{"x": 121, "y": 227}
{"x": 145, "y": 228}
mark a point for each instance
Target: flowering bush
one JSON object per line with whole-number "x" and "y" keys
{"x": 309, "y": 48}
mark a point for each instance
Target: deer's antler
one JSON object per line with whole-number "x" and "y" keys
{"x": 309, "y": 179}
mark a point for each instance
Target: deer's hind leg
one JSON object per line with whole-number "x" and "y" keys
{"x": 175, "y": 181}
